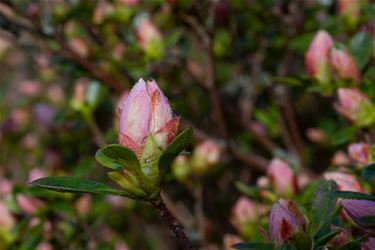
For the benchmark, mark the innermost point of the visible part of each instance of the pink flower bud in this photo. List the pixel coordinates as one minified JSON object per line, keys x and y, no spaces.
{"x":29,"y":205}
{"x":345,"y":182}
{"x":356,"y":209}
{"x":317,"y":56}
{"x":146,"y":112}
{"x":206,"y":155}
{"x":282,"y":178}
{"x":352,"y":104}
{"x":340,"y":158}
{"x":121,"y":101}
{"x":244,"y":211}
{"x":285,"y":220}
{"x":147,"y":33}
{"x":369,"y":244}
{"x":6,"y":219}
{"x":350,"y":10}
{"x":360,"y":153}
{"x":344,"y":65}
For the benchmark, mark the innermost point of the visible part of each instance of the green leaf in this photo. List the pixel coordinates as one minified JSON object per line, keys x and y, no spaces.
{"x":323,"y":205}
{"x":117,"y":157}
{"x":326,"y":238}
{"x":129,"y":183}
{"x":253,"y":246}
{"x":360,"y":47}
{"x":353,"y":195}
{"x":368,"y":174}
{"x":67,"y":184}
{"x":302,"y":241}
{"x":174,"y":149}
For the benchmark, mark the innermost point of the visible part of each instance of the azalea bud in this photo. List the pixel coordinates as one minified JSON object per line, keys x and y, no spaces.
{"x":350,"y":11}
{"x":344,"y":181}
{"x":317,"y":56}
{"x":360,"y":153}
{"x":206,"y":155}
{"x":146,"y":112}
{"x":181,"y":168}
{"x":29,"y":205}
{"x":150,"y":38}
{"x":344,"y":65}
{"x":6,"y":219}
{"x":369,"y":244}
{"x":243,"y":212}
{"x":355,"y":106}
{"x":356,"y":209}
{"x":282,"y":178}
{"x":285,"y":220}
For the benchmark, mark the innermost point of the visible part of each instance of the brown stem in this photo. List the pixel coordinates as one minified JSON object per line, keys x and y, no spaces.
{"x":173,"y":224}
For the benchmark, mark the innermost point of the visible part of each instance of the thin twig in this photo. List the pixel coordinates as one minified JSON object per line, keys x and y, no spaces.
{"x":173,"y":224}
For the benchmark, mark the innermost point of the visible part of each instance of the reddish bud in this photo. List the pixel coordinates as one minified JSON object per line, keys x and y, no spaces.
{"x":344,"y":181}
{"x":317,"y":56}
{"x":282,"y":178}
{"x":360,"y":153}
{"x":243,"y":212}
{"x":145,"y":112}
{"x":354,"y":105}
{"x":344,"y":65}
{"x":285,"y":220}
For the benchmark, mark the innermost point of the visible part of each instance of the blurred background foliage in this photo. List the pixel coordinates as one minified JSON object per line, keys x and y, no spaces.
{"x":233,"y":70}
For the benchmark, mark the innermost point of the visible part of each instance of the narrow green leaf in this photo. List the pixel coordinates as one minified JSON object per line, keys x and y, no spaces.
{"x":174,"y":149}
{"x":323,"y":205}
{"x":67,"y":184}
{"x":353,"y":195}
{"x":129,"y":183}
{"x":253,"y":246}
{"x":368,"y":174}
{"x":360,"y":47}
{"x":117,"y":157}
{"x":326,"y":238}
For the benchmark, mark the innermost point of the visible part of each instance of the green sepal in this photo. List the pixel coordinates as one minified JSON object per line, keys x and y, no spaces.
{"x":117,"y":157}
{"x":130,"y":185}
{"x":66,"y":184}
{"x":174,"y":149}
{"x":149,"y":164}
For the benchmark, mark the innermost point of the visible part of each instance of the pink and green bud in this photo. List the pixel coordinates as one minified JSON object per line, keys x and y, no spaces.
{"x":150,"y":38}
{"x":355,"y":106}
{"x":146,"y":112}
{"x":344,"y":65}
{"x":285,"y":221}
{"x":350,"y":11}
{"x":282,"y":178}
{"x":317,"y":56}
{"x":358,"y":209}
{"x":245,"y":211}
{"x":206,"y":155}
{"x":344,"y":181}
{"x":360,"y":153}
